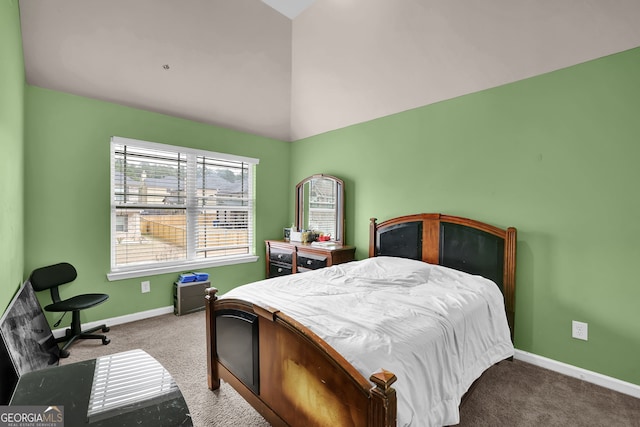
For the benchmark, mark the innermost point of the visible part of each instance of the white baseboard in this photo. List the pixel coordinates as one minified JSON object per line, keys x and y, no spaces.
{"x":121,"y":319}
{"x":582,"y":374}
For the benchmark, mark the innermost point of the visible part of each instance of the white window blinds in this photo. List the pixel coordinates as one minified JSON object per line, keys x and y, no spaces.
{"x":174,"y":205}
{"x":323,"y":200}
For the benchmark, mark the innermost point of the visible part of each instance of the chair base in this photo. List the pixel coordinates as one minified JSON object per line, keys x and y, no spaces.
{"x":75,"y":332}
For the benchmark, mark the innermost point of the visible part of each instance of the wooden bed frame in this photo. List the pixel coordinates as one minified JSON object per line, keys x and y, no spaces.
{"x":292,"y":377}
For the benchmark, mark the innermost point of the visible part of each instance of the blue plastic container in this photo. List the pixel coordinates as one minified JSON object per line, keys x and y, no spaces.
{"x":201,"y":277}
{"x":187,"y":277}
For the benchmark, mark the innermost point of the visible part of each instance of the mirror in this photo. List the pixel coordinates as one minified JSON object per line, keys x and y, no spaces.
{"x":320,"y":206}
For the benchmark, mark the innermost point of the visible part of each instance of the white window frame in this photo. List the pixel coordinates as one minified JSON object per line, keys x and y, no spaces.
{"x":191,"y":263}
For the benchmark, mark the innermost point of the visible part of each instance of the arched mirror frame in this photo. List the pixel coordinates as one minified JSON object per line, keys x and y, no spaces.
{"x":339,"y":214}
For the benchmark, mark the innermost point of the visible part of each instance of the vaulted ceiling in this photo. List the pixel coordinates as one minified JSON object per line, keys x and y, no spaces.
{"x":243,"y":65}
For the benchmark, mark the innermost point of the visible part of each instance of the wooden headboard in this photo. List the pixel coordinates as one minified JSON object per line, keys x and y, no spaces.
{"x":461,"y":243}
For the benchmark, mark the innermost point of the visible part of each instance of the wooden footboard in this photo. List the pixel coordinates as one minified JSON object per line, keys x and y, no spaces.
{"x":289,"y":374}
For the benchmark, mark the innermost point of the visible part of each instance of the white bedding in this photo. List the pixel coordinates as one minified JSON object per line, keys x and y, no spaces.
{"x":437,"y":329}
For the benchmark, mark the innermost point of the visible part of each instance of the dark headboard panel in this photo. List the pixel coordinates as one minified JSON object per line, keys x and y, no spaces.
{"x":461,"y":243}
{"x":402,"y":240}
{"x":472,"y":251}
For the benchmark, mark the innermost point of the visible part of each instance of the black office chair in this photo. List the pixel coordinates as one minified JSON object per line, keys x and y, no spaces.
{"x":51,"y":277}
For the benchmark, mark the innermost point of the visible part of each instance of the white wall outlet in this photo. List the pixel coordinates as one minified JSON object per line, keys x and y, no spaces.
{"x":145,"y":286}
{"x":579,"y":330}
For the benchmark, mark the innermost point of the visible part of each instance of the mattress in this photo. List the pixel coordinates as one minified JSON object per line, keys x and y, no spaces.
{"x":437,"y":329}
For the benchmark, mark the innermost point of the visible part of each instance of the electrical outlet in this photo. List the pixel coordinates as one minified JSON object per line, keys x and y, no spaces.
{"x":579,"y":330}
{"x":145,"y":286}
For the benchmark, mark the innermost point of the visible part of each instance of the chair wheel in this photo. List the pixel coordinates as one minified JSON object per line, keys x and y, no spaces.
{"x":105,"y":341}
{"x":105,"y":329}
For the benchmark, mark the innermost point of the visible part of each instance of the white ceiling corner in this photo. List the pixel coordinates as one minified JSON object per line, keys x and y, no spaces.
{"x":289,"y":8}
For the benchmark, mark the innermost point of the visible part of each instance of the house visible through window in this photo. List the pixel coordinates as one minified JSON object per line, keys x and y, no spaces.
{"x":323,"y":197}
{"x":173,"y":208}
{"x":122,"y":222}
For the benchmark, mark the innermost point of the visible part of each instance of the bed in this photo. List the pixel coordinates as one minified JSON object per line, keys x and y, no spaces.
{"x":315,"y":368}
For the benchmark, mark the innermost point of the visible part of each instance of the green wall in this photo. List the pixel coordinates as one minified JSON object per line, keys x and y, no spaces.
{"x":11,"y":152}
{"x":557,"y":157}
{"x":67,"y":209}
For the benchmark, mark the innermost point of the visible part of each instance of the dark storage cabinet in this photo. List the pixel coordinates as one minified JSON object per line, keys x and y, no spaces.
{"x":189,"y":297}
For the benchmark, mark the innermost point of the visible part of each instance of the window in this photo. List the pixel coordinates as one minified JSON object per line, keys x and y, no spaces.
{"x":121,"y":222}
{"x":323,"y":196}
{"x":175,"y":208}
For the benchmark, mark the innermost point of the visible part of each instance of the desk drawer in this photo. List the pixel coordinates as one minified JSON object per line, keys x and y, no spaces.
{"x":311,"y":262}
{"x":276,"y":270}
{"x":281,"y":256}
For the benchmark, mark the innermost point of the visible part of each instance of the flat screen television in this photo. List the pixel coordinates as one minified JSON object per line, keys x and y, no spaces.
{"x":27,"y":343}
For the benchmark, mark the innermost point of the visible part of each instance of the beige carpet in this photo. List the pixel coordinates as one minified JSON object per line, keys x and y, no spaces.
{"x":509,"y":394}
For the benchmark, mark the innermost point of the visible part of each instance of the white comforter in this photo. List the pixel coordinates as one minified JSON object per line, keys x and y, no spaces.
{"x":437,"y":329}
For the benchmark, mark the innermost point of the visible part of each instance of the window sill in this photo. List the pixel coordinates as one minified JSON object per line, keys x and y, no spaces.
{"x":184,"y":267}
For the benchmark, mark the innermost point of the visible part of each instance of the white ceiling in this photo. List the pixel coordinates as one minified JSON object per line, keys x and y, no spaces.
{"x":357,"y":60}
{"x":221,"y":62}
{"x":289,"y":8}
{"x":315,"y":66}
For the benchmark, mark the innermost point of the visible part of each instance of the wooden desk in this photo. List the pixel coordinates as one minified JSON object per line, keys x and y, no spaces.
{"x":295,"y":257}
